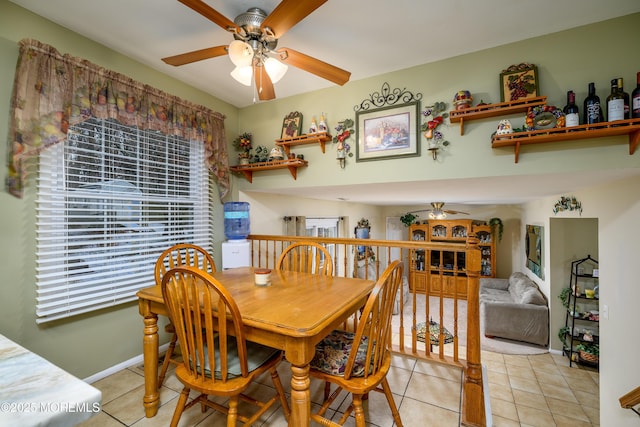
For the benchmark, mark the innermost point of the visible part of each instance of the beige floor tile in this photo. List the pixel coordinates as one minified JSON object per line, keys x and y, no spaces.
{"x":564,"y":421}
{"x":512,"y":359}
{"x":504,"y":409}
{"x":117,"y":384}
{"x":556,"y":392}
{"x":525,"y":372}
{"x":415,"y":413}
{"x":491,"y":356}
{"x":504,"y":422}
{"x":587,"y":398}
{"x":533,"y":400}
{"x":583,"y":384}
{"x":502,"y":392}
{"x":376,"y":410}
{"x":498,"y":378}
{"x":404,"y":362}
{"x":525,"y":384}
{"x":540,"y":390}
{"x":435,"y":391}
{"x":398,"y":379}
{"x":495,"y":366}
{"x":128,"y":409}
{"x":551,"y":378}
{"x":535,"y":417}
{"x":439,"y":370}
{"x":567,"y":409}
{"x":593,"y":414}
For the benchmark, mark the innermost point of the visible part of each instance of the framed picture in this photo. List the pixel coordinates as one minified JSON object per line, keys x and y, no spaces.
{"x":388,"y":132}
{"x":292,"y":125}
{"x":533,"y":249}
{"x":519,"y":82}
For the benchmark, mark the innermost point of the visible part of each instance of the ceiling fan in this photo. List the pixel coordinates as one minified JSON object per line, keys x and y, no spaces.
{"x":437,"y":212}
{"x":254,"y":52}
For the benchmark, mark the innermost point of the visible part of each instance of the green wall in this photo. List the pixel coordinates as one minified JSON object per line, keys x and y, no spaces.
{"x":567,"y":60}
{"x":87,"y":344}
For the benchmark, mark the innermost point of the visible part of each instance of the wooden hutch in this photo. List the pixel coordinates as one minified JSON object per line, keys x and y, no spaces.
{"x":425,"y":266}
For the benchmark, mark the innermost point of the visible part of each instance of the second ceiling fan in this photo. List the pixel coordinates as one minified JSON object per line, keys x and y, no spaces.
{"x":437,"y":212}
{"x":253,"y":49}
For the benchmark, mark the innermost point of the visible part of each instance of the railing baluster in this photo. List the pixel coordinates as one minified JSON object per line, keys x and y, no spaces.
{"x":267,"y":248}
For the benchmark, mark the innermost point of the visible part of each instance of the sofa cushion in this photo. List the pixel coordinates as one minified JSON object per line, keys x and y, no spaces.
{"x":494,"y":295}
{"x":532,"y":296}
{"x":518,"y":284}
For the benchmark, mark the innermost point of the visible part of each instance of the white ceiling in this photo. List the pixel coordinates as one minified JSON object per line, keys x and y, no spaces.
{"x":365,"y":37}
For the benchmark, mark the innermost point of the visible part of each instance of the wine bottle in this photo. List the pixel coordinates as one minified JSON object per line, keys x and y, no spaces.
{"x":625,"y":97}
{"x":615,"y":103}
{"x":571,"y":112}
{"x":592,"y":110}
{"x":635,"y":99}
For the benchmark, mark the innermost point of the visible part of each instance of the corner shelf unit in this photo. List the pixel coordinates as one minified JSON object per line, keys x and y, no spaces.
{"x":629,"y":127}
{"x":291,"y":164}
{"x":493,"y":110}
{"x":309,"y":138}
{"x":578,"y":318}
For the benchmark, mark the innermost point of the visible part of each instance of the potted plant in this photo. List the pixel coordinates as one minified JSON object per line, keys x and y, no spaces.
{"x":408,"y":219}
{"x":589,"y":352}
{"x":564,"y":296}
{"x":496,"y":223}
{"x":243,"y":144}
{"x":562,"y":333}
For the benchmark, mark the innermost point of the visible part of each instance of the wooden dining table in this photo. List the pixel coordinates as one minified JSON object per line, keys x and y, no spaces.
{"x":292,"y":314}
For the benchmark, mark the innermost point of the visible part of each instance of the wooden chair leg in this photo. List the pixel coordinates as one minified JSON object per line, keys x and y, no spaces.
{"x":167,"y":359}
{"x":180,"y":407}
{"x":232,"y":415}
{"x":283,"y":398}
{"x":392,"y":403}
{"x":358,"y":410}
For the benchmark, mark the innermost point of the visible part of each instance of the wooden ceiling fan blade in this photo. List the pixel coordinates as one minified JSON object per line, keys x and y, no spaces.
{"x":454,"y":212}
{"x":211,"y":14}
{"x":314,"y":66}
{"x":264,"y":86}
{"x":288,"y":13}
{"x":196,"y":55}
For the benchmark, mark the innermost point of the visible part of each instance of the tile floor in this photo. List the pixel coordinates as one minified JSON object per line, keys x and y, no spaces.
{"x":539,"y":390}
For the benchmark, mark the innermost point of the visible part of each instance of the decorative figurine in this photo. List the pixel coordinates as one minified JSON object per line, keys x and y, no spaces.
{"x":314,"y":126}
{"x":322,"y":126}
{"x":504,"y":127}
{"x":462,"y":99}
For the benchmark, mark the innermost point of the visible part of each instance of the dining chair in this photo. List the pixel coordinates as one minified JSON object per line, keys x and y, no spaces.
{"x":178,"y":255}
{"x":358,"y":362}
{"x":306,"y":257}
{"x":217,"y":360}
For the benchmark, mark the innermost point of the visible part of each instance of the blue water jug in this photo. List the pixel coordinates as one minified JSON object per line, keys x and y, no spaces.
{"x":236,"y":220}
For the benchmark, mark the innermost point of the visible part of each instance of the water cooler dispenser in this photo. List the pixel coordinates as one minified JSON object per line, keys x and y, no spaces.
{"x":236,"y":251}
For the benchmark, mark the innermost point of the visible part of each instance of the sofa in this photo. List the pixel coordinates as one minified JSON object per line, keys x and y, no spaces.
{"x":514,"y":309}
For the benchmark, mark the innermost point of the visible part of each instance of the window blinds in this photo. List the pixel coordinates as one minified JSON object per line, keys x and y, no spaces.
{"x":111,"y":198}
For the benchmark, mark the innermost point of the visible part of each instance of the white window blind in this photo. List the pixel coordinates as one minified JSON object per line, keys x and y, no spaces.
{"x":110,"y":199}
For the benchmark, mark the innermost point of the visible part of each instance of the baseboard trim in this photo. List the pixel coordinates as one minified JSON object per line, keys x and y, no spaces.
{"x":136,"y":360}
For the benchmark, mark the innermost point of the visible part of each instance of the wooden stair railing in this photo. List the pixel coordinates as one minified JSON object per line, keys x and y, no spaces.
{"x":631,"y":400}
{"x":265,"y":250}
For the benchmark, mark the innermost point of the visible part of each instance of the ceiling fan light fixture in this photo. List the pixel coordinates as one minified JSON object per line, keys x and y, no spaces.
{"x":243,"y":75}
{"x":240,"y":53}
{"x":437,"y":214}
{"x":275,"y":69}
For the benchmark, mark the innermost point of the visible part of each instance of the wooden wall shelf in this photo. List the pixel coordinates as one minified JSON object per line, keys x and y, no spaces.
{"x":309,"y":138}
{"x":629,"y":127}
{"x":493,"y":110}
{"x":291,"y":164}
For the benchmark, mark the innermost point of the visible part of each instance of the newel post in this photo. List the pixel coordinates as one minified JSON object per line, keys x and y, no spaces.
{"x":473,"y":412}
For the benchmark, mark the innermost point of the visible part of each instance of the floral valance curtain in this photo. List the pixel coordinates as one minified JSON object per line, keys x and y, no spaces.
{"x":53,"y":91}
